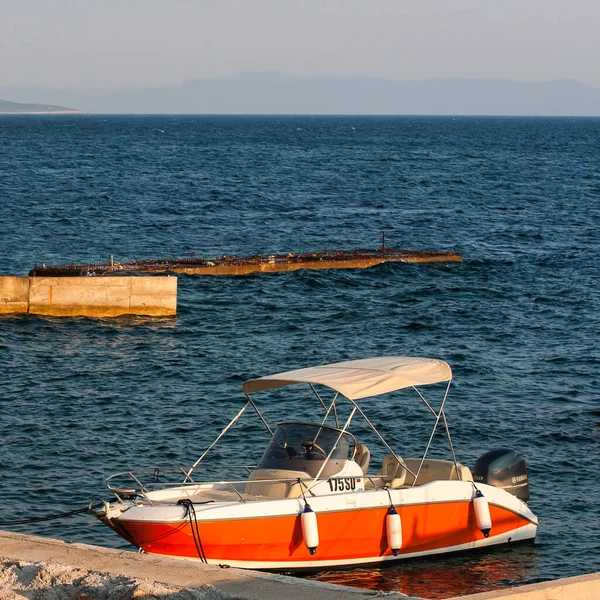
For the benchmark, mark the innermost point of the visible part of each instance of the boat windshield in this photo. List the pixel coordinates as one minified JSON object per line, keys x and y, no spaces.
{"x":300,"y":442}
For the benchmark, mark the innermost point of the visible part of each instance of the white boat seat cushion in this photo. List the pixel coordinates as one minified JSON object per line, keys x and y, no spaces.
{"x":259,"y":485}
{"x":362,"y":456}
{"x":395,"y":475}
{"x":435,"y":470}
{"x":392,"y":472}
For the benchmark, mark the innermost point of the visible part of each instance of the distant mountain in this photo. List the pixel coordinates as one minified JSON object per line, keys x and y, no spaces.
{"x":44,"y":95}
{"x":272,"y":92}
{"x":7,"y":107}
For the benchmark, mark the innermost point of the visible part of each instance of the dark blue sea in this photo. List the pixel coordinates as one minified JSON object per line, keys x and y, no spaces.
{"x":518,"y":320}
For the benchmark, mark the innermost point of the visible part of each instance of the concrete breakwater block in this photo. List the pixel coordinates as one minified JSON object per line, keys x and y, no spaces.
{"x":14,"y":294}
{"x":89,"y":296}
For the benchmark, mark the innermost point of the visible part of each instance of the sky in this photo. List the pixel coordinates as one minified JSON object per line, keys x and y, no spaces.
{"x":102,"y":46}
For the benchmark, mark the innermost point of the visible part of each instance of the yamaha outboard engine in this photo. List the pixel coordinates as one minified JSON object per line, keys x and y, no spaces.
{"x":503,"y":468}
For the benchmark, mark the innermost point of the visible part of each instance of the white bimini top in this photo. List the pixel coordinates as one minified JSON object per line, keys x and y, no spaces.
{"x":357,"y":379}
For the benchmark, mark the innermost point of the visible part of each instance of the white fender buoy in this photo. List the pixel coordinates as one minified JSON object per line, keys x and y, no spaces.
{"x":393,"y":527}
{"x":310,"y":529}
{"x":482,"y":513}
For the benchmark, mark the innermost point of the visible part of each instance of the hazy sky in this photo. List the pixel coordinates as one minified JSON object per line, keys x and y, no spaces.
{"x":107,"y":45}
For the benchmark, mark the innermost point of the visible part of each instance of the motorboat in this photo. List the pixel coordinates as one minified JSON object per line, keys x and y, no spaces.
{"x":312,"y":501}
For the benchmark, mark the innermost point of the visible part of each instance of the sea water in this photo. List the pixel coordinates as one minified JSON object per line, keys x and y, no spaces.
{"x":518,"y":320}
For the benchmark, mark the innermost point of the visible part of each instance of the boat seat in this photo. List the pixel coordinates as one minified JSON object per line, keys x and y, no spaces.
{"x":392,"y":473}
{"x":263,"y":482}
{"x":435,"y":470}
{"x":362,"y":456}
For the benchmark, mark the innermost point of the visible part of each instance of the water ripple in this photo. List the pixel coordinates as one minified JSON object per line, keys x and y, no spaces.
{"x":518,"y":320}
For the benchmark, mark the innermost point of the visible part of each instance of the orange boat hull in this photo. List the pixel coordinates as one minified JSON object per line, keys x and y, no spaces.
{"x":346,"y":537}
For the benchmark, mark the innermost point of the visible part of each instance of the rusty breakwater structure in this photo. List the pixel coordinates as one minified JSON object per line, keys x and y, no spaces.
{"x":245,"y":265}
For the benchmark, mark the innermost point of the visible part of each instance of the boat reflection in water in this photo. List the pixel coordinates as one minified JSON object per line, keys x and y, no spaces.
{"x":445,"y":578}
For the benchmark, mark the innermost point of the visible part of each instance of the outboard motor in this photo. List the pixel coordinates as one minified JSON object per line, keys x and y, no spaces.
{"x":503,"y":468}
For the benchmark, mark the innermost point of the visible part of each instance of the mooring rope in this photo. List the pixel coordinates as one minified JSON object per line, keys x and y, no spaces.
{"x":190,"y":512}
{"x":51,"y":517}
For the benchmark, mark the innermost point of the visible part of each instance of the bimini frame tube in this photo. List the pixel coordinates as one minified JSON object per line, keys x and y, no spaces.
{"x":398,"y":459}
{"x":437,"y":420}
{"x":445,"y":426}
{"x":328,"y":410}
{"x":312,"y":387}
{"x":259,"y":414}
{"x":231,"y":424}
{"x":458,"y":475}
{"x":332,"y":449}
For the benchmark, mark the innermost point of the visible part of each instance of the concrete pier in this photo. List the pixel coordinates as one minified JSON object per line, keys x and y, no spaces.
{"x":89,"y":296}
{"x":91,"y":572}
{"x":583,"y":587}
{"x":204,"y":581}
